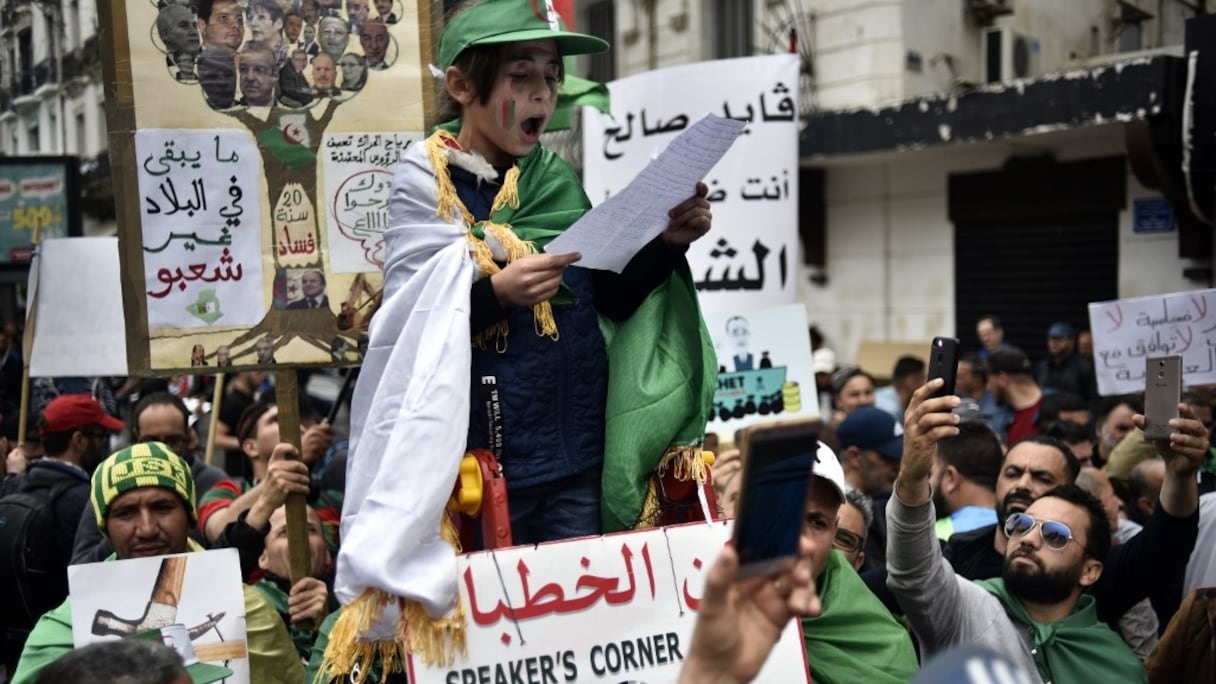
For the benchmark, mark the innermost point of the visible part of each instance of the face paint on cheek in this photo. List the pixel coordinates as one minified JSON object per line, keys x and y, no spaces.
{"x":507,"y":117}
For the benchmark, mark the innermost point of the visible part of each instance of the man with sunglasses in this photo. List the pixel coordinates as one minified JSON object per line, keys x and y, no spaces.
{"x":854,"y":638}
{"x":1052,"y":543}
{"x":157,"y":417}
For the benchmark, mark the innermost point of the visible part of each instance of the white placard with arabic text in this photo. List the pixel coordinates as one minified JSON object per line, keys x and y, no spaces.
{"x":1127,"y":331}
{"x":604,"y":609}
{"x":358,"y":171}
{"x":121,"y":598}
{"x":751,"y":256}
{"x":202,"y":227}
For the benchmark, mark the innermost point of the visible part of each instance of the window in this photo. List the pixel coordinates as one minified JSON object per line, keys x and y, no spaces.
{"x":53,"y":132}
{"x":601,"y":22}
{"x":73,"y":25}
{"x":82,"y":144}
{"x":35,"y":138}
{"x":733,"y":24}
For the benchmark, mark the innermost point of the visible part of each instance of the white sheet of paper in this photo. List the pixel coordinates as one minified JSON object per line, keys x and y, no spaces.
{"x":609,"y":235}
{"x":79,"y":327}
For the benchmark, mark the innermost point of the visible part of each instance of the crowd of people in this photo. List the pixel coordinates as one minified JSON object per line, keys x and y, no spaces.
{"x":1024,"y":514}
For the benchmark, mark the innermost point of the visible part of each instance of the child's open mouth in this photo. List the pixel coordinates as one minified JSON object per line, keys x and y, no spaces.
{"x":532,"y":126}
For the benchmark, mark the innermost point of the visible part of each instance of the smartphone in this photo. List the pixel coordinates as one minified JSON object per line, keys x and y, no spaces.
{"x":943,"y":363}
{"x":1162,"y":392}
{"x":777,"y":463}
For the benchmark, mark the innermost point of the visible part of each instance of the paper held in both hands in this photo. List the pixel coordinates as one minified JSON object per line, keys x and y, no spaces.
{"x":609,"y":235}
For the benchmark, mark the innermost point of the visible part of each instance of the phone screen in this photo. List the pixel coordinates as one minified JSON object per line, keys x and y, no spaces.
{"x":772,"y":503}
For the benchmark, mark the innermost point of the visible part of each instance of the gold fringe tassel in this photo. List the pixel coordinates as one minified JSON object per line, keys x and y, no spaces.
{"x":688,"y":464}
{"x":347,"y":654}
{"x":436,"y":640}
{"x":508,"y":196}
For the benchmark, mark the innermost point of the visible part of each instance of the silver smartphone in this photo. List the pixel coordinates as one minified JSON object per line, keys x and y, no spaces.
{"x":777,"y":462}
{"x":1162,"y":392}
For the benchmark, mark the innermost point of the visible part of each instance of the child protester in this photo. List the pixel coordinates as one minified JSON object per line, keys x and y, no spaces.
{"x":602,"y":378}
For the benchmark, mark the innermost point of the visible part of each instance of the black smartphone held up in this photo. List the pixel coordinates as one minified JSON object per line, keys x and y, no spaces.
{"x":943,"y":363}
{"x":1162,"y":392}
{"x":777,"y":462}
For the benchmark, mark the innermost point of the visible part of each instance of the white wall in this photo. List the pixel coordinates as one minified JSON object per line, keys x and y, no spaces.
{"x":890,"y":258}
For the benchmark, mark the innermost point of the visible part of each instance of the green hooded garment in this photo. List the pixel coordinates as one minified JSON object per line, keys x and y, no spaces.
{"x":855,"y":639}
{"x":1077,"y":648}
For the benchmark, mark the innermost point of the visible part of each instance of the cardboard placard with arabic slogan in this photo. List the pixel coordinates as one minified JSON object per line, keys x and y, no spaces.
{"x":529,"y":608}
{"x":253,"y":151}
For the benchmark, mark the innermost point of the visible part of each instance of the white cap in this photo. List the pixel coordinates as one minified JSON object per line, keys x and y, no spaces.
{"x":827,"y":467}
{"x":823,"y":360}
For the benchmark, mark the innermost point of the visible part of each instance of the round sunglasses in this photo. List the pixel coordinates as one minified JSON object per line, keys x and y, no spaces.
{"x":1056,"y":534}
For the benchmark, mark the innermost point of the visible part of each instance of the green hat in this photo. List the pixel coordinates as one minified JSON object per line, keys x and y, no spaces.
{"x":149,"y":464}
{"x":177,"y":638}
{"x":493,"y":22}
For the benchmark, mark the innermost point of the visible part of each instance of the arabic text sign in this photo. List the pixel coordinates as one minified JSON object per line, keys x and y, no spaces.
{"x":33,"y":195}
{"x":358,"y":177}
{"x":639,"y":591}
{"x":109,"y":601}
{"x":751,"y":257}
{"x":79,"y":327}
{"x":1127,"y":331}
{"x":202,"y":229}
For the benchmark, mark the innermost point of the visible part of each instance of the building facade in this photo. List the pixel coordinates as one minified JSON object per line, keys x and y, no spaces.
{"x":963,"y":157}
{"x":51,"y":100}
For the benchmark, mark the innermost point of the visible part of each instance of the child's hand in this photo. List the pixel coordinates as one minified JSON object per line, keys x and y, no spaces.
{"x":531,"y":279}
{"x":690,"y":219}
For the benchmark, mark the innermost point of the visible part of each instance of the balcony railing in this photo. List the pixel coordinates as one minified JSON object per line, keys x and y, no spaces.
{"x":30,"y":80}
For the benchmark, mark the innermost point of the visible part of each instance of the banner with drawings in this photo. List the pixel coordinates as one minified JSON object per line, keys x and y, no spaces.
{"x":751,"y":257}
{"x":528,"y":610}
{"x":254,"y":171}
{"x":1127,"y":331}
{"x":765,"y":371}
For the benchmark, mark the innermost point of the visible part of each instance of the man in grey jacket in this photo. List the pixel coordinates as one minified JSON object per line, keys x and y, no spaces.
{"x":1036,"y":613}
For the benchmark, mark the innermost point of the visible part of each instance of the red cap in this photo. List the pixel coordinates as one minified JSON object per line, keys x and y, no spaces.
{"x":69,"y":412}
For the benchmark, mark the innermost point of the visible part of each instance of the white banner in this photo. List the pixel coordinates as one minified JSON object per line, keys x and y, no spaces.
{"x":199,"y":205}
{"x":751,"y":257}
{"x":79,"y":327}
{"x":1127,"y":331}
{"x":603,"y":609}
{"x":358,"y":171}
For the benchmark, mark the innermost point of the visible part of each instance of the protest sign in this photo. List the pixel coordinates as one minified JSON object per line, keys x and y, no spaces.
{"x":751,"y":257}
{"x":765,"y":371}
{"x":253,"y":199}
{"x":201,"y":592}
{"x":604,"y":609}
{"x":79,"y":329}
{"x":1126,"y":331}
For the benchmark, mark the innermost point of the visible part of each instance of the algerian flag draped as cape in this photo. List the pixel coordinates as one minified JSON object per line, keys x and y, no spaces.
{"x":409,"y":413}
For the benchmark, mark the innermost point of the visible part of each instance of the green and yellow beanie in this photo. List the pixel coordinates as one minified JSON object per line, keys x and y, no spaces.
{"x":150,"y":464}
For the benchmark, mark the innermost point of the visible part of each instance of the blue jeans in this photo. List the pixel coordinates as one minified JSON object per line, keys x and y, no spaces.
{"x":567,"y":508}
